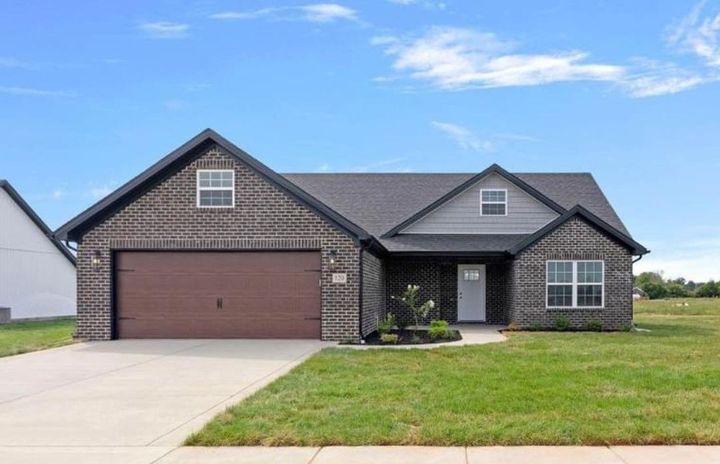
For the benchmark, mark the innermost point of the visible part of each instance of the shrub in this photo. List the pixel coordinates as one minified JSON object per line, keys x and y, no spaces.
{"x":409,"y":298}
{"x":389,"y":339}
{"x":655,"y":290}
{"x":536,"y":326}
{"x":626,"y":327}
{"x":675,"y":290}
{"x":708,"y":290}
{"x":401,"y":323}
{"x":440,"y":329}
{"x":562,"y":323}
{"x":386,"y":324}
{"x":594,"y":325}
{"x":415,"y":339}
{"x":513,"y":327}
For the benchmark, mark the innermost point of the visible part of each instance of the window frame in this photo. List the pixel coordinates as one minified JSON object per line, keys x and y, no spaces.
{"x":483,"y":202}
{"x":199,"y":189}
{"x":574,"y":284}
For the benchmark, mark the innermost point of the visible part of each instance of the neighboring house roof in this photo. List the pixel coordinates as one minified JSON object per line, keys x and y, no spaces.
{"x":15,"y":196}
{"x":74,"y":228}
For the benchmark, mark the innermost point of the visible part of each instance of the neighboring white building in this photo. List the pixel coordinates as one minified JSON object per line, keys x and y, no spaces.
{"x":37,"y":272}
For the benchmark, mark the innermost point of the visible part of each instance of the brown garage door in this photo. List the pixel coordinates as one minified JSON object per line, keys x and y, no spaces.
{"x":217,"y":294}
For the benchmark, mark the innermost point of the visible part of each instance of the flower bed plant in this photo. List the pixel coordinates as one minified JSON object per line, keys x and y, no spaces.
{"x":392,"y":332}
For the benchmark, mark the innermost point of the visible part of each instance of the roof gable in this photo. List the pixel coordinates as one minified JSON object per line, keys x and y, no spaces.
{"x":39,"y":223}
{"x":461,"y":214}
{"x":493,"y":169}
{"x":169,"y":164}
{"x":579,"y":211}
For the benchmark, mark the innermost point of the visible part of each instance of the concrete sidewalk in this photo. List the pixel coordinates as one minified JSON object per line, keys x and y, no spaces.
{"x":366,"y":455}
{"x":451,"y":455}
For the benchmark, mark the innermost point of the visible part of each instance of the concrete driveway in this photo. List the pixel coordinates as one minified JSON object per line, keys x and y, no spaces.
{"x":132,"y":393}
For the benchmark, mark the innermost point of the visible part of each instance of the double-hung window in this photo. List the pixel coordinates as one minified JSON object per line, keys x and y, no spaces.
{"x":575,"y":284}
{"x":215,"y":188}
{"x":493,"y":202}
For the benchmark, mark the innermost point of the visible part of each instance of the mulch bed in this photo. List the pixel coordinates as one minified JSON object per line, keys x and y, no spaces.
{"x":406,"y":338}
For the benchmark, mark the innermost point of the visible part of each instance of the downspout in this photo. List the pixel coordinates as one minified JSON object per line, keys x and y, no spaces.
{"x":363,"y":246}
{"x":638,"y":259}
{"x":67,"y":244}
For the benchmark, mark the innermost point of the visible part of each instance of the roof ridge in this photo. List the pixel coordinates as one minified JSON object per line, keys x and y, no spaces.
{"x":547,"y":173}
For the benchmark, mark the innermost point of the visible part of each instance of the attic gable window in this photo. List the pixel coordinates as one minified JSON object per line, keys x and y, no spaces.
{"x":493,"y":202}
{"x":215,"y":188}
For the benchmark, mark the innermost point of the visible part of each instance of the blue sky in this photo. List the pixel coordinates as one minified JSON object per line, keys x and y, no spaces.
{"x":91,"y":93}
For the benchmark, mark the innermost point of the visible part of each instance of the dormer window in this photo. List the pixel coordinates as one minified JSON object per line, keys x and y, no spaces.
{"x":493,"y":202}
{"x":215,"y":188}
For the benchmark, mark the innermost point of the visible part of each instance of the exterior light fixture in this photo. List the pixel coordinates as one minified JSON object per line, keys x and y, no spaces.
{"x":332,"y":263}
{"x":95,"y":260}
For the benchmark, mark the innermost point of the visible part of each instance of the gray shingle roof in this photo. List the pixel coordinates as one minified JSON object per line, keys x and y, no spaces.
{"x":378,"y":202}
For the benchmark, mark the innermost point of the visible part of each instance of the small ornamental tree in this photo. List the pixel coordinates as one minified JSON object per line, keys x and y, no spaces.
{"x":409,"y":298}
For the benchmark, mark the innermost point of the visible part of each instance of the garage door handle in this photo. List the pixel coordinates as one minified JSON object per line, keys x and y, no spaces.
{"x":219,"y":303}
{"x":312,"y":318}
{"x":125,"y":318}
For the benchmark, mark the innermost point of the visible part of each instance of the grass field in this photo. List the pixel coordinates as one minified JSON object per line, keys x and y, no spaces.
{"x":656,"y":387}
{"x":22,"y":337}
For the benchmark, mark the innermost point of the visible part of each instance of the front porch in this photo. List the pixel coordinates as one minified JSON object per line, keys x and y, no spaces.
{"x":440,"y":278}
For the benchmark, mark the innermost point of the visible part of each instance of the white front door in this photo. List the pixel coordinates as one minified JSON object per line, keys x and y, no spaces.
{"x":471,"y":293}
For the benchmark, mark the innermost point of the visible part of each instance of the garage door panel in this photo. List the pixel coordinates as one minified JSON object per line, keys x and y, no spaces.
{"x":176,"y":294}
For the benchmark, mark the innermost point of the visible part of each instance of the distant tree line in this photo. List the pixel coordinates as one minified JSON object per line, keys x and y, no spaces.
{"x":656,"y":286}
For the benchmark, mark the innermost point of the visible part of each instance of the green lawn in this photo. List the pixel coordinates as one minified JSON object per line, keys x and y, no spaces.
{"x":21,"y":337}
{"x":655,"y":387}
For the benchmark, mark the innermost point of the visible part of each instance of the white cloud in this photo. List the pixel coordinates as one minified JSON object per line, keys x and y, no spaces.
{"x":239,"y":15}
{"x":451,"y":58}
{"x":328,"y":12}
{"x":9,"y":62}
{"x":325,"y":167}
{"x":698,"y":34}
{"x":58,"y":193}
{"x":32,"y":92}
{"x":165,"y":30}
{"x":380,"y":164}
{"x":423,"y":3}
{"x":648,"y":78}
{"x":314,"y":12}
{"x":464,"y":137}
{"x":101,"y":191}
{"x":455,"y":58}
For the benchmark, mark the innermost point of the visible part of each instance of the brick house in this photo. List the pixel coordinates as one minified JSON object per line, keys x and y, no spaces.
{"x":210,"y":243}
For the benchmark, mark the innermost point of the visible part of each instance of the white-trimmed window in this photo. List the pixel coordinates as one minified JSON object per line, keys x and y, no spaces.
{"x":215,"y":188}
{"x":575,"y":284}
{"x":493,"y":202}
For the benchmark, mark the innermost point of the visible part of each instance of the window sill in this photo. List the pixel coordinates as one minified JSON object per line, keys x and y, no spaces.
{"x":581,"y":308}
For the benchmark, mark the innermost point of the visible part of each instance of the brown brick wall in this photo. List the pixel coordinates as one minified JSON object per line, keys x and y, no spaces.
{"x":373,"y":292}
{"x":574,"y":240}
{"x":264,"y":217}
{"x":437,"y":278}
